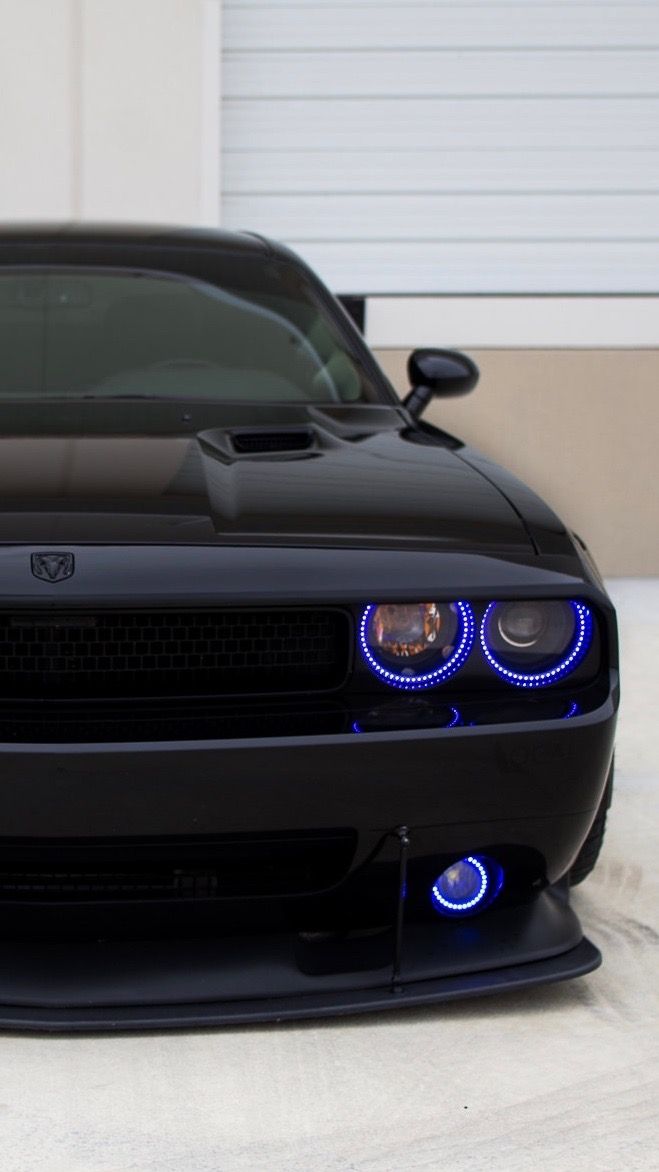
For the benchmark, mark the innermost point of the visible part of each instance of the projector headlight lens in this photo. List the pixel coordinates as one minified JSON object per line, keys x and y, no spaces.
{"x":534,"y":644}
{"x":522,"y":624}
{"x":468,"y":885}
{"x":416,"y":645}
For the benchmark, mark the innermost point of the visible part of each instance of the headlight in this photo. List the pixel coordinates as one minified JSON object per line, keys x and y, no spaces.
{"x":416,"y":645}
{"x":534,"y":644}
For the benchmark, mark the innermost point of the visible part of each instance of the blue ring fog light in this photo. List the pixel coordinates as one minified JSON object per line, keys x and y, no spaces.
{"x":563,"y":663}
{"x":407,"y":677}
{"x":467,"y":886}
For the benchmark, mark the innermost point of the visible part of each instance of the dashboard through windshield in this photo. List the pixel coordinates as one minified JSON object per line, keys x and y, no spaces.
{"x":86,"y":333}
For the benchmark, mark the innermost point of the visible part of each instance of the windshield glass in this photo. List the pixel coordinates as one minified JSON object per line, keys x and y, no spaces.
{"x":90,"y":333}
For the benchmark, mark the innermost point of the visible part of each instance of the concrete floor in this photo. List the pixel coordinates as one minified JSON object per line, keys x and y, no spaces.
{"x":559,"y":1078}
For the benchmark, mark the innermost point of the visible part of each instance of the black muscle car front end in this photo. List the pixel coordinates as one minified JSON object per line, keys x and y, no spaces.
{"x":305,"y":706}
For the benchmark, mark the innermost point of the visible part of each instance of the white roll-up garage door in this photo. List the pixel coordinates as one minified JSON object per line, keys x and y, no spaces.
{"x":447,"y":148}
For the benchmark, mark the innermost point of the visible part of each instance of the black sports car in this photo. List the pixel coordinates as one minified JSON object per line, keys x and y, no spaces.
{"x":306,"y":706}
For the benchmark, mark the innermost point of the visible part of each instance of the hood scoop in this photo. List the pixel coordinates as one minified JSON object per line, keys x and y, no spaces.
{"x":248,"y":443}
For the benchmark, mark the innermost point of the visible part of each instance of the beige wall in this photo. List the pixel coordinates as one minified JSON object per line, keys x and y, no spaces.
{"x":581,"y":427}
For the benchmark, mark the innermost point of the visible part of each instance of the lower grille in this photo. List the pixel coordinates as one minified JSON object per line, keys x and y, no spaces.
{"x":31,"y":722}
{"x":258,"y":866}
{"x":172,"y":653}
{"x":83,"y":885}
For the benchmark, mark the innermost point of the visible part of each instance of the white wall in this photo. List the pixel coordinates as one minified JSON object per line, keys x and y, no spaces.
{"x":461,"y":147}
{"x":38,"y":149}
{"x":505,"y":323}
{"x":109,"y":109}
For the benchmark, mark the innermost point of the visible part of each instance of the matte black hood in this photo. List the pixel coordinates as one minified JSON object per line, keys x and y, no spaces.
{"x":159,"y":473}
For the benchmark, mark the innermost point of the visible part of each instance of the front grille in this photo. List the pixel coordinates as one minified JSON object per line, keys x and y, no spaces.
{"x":234,"y":868}
{"x":44,"y":886}
{"x":164,"y":720}
{"x":172,"y":653}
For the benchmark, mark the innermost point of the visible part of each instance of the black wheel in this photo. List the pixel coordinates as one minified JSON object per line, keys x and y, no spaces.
{"x":589,"y":853}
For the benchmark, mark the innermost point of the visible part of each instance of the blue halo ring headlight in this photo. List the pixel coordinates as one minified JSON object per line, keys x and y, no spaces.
{"x":468,"y":885}
{"x":555,"y":666}
{"x":434,"y":666}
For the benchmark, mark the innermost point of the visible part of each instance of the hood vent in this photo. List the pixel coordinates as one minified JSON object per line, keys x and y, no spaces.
{"x":248,"y":443}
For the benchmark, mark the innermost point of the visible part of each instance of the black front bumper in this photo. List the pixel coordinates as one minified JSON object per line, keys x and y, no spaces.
{"x":523,"y":795}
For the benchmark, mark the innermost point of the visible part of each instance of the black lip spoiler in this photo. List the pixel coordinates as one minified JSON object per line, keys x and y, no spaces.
{"x":582,"y":959}
{"x":179,"y":984}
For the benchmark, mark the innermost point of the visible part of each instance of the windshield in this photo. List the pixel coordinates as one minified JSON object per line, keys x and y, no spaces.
{"x":89,"y":333}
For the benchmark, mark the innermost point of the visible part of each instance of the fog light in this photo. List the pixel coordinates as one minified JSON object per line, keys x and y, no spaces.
{"x":465,"y":886}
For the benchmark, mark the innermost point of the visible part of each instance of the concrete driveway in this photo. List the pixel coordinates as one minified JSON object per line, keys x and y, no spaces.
{"x":560,"y":1078}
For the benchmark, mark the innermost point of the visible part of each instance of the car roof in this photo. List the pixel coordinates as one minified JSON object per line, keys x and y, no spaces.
{"x":150,"y":235}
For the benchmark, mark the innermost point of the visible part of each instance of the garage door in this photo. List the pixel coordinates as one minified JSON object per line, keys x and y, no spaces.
{"x":447,"y":148}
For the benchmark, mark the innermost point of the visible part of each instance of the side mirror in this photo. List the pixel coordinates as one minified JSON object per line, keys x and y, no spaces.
{"x":441,"y":373}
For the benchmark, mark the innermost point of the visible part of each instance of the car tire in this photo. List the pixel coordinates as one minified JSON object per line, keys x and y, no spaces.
{"x":590,"y":851}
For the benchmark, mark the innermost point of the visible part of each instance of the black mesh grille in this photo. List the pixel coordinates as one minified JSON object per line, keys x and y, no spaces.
{"x":234,"y":868}
{"x":167,"y":653}
{"x":26,"y":721}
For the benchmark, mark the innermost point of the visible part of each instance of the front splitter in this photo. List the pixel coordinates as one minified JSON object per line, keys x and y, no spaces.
{"x":181,"y":984}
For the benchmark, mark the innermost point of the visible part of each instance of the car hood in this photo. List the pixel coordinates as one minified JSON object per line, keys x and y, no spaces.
{"x":153,"y":473}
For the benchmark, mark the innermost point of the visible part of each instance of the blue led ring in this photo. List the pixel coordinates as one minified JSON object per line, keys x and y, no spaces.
{"x":467,"y":904}
{"x":541,"y":679}
{"x":429,"y":679}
